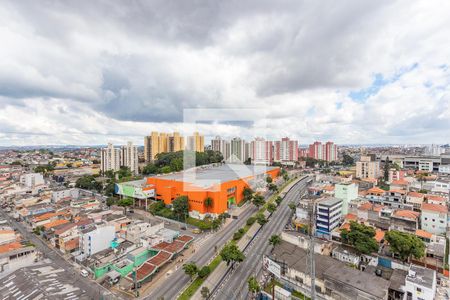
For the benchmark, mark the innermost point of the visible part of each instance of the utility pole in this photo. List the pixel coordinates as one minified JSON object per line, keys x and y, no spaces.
{"x":312,"y":266}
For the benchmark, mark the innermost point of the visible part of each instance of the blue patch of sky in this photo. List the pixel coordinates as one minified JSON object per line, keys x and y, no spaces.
{"x":378,"y":82}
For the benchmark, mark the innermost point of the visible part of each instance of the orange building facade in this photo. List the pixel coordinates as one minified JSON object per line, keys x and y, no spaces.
{"x":223,"y":195}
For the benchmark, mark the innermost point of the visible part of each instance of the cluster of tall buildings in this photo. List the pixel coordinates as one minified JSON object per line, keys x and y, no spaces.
{"x":159,"y":142}
{"x":327,"y":151}
{"x":113,"y":158}
{"x":258,"y":152}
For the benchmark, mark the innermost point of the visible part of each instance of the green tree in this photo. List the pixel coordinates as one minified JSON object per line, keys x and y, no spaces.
{"x":269,"y":179}
{"x":253,"y":285}
{"x":124,"y":172}
{"x":44,"y":168}
{"x":205,"y":292}
{"x":292,"y":206}
{"x":251,"y":221}
{"x":215,"y":224}
{"x":166,"y":169}
{"x":109,"y":174}
{"x":69,"y":165}
{"x":208,"y":203}
{"x":176,"y":164}
{"x":275,"y":240}
{"x":258,"y":200}
{"x":261,"y":219}
{"x":204,"y":272}
{"x":361,"y":237}
{"x":347,"y":160}
{"x":285,"y":177}
{"x":230,"y":253}
{"x":405,"y":244}
{"x":273,"y":187}
{"x":386,"y":170}
{"x":150,"y":169}
{"x":190,"y":269}
{"x":278,"y":200}
{"x":181,"y":207}
{"x":247,"y":193}
{"x":125,"y":202}
{"x":271,"y":207}
{"x":88,"y":182}
{"x":110,"y":201}
{"x":109,"y":188}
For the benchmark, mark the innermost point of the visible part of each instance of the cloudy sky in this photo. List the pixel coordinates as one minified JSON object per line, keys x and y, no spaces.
{"x":89,"y":72}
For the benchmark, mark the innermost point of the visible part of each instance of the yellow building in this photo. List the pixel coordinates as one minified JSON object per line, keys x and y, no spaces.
{"x":157,"y":143}
{"x":196,"y":142}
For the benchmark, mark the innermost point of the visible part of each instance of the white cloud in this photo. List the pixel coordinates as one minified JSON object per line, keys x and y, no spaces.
{"x":111,"y":71}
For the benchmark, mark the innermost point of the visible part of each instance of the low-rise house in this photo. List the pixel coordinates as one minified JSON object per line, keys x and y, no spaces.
{"x":435,"y":199}
{"x":434,"y":218}
{"x":405,"y":220}
{"x":415,"y":199}
{"x":333,"y":280}
{"x":138,"y":230}
{"x":301,"y":240}
{"x":400,"y":184}
{"x":347,"y":255}
{"x":7,"y":235}
{"x":420,"y":283}
{"x":93,"y":240}
{"x":14,"y":256}
{"x":395,"y":198}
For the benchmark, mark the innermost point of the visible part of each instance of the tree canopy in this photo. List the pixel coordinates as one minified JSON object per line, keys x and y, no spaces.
{"x":405,"y":244}
{"x":167,"y":162}
{"x":253,"y":285}
{"x":347,"y":160}
{"x":190,"y":269}
{"x":181,"y":207}
{"x":258,"y":200}
{"x":230,"y":253}
{"x":275,"y":240}
{"x":88,"y":182}
{"x":361,"y":237}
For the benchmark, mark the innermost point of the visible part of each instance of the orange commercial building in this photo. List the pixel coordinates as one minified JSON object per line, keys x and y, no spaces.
{"x":224,"y":184}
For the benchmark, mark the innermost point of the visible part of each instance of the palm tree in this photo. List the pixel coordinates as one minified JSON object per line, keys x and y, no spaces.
{"x":208,"y":203}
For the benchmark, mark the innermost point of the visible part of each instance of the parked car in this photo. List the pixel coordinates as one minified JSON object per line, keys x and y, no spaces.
{"x":84,"y":273}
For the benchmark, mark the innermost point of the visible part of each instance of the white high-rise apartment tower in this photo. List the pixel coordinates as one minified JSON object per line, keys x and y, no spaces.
{"x":129,"y":157}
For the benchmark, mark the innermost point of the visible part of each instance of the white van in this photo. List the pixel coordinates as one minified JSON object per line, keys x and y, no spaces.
{"x":84,"y":273}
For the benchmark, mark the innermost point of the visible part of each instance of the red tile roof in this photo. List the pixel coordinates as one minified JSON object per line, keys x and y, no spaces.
{"x":9,"y":247}
{"x":399,"y":182}
{"x":435,"y":198}
{"x":415,"y":194}
{"x":423,"y":233}
{"x":434,"y":207}
{"x":55,"y":223}
{"x":351,"y":217}
{"x":379,"y":235}
{"x":414,"y":215}
{"x":376,"y":191}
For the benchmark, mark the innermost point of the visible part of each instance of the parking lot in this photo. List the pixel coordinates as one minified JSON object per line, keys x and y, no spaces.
{"x":43,"y":281}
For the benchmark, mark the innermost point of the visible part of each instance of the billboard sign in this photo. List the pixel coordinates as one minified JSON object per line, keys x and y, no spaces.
{"x":271,"y":266}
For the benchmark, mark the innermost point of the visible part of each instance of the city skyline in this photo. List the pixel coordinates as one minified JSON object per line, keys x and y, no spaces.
{"x":68,"y":78}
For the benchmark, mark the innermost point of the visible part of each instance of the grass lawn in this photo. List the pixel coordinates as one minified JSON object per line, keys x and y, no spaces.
{"x":201,"y":224}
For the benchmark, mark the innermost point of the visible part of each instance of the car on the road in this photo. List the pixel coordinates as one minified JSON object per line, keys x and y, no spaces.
{"x":84,"y":273}
{"x":196,"y":231}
